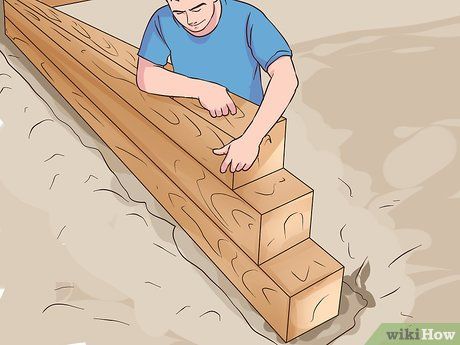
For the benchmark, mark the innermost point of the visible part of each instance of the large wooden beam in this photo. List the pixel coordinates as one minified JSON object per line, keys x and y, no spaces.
{"x":237,"y":216}
{"x":231,"y":260}
{"x":257,"y":234}
{"x":190,"y":127}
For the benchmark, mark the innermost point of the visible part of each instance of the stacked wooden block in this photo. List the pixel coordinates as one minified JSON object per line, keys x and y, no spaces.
{"x":254,"y":225}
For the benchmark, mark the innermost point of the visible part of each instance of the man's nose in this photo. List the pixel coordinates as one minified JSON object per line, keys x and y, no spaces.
{"x":191,"y":19}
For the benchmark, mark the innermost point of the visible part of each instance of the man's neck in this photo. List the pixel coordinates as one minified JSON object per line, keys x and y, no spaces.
{"x":213,"y":22}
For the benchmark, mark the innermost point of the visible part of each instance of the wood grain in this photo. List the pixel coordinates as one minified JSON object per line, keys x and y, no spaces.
{"x":235,"y":216}
{"x":257,"y":287}
{"x":190,"y":132}
{"x":286,"y":206}
{"x":298,"y":286}
{"x":312,"y":279}
{"x":230,"y":212}
{"x":115,"y":63}
{"x":125,"y":55}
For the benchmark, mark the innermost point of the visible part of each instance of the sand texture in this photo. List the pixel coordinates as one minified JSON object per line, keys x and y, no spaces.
{"x":87,"y":255}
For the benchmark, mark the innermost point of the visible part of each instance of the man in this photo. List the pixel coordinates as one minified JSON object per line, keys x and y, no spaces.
{"x":216,"y":47}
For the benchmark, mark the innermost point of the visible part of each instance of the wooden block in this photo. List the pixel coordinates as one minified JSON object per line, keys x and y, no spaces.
{"x":194,"y":131}
{"x":253,"y":283}
{"x":285,"y":205}
{"x":313,"y":281}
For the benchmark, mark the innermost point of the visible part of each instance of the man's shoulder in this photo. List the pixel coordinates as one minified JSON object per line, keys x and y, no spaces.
{"x":162,"y":13}
{"x":244,"y":7}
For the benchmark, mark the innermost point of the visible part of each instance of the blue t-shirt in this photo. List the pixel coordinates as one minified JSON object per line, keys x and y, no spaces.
{"x":231,"y":55}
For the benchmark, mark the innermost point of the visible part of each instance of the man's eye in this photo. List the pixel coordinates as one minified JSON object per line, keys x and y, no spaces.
{"x":197,"y":10}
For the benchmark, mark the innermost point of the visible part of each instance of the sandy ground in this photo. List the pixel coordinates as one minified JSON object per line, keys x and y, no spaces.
{"x":374,"y":129}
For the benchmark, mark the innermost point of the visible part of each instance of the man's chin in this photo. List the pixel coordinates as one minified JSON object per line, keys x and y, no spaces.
{"x":196,"y":29}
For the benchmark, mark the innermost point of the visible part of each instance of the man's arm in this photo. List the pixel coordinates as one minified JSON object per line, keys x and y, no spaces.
{"x":153,"y":78}
{"x":242,"y":152}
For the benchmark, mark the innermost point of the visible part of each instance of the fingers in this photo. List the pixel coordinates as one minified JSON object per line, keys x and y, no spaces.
{"x":225,"y":110}
{"x":215,"y":112}
{"x":218,"y":112}
{"x":240,"y":166}
{"x":227,"y":161}
{"x":246,"y":167}
{"x":232,"y":107}
{"x":235,"y":166}
{"x":221,"y":151}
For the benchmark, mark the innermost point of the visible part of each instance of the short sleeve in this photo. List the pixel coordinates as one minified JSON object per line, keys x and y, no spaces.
{"x":153,"y":46}
{"x":266,"y":42}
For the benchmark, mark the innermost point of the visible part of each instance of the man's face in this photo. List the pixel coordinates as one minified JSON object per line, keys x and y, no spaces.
{"x":194,"y":15}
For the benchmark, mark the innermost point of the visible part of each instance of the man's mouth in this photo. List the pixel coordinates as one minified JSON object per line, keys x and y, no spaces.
{"x":197,"y":24}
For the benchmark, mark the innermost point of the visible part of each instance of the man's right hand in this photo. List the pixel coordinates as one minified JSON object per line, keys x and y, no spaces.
{"x":153,"y":78}
{"x":216,"y":99}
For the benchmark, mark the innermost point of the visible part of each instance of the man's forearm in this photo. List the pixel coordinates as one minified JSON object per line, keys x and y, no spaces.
{"x":279,"y":94}
{"x":157,"y":80}
{"x":241,"y":153}
{"x":160,"y":81}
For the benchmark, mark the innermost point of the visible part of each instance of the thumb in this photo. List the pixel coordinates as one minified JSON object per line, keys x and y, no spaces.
{"x":222,"y":151}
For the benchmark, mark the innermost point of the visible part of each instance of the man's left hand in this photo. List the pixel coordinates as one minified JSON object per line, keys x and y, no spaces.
{"x":240,"y":154}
